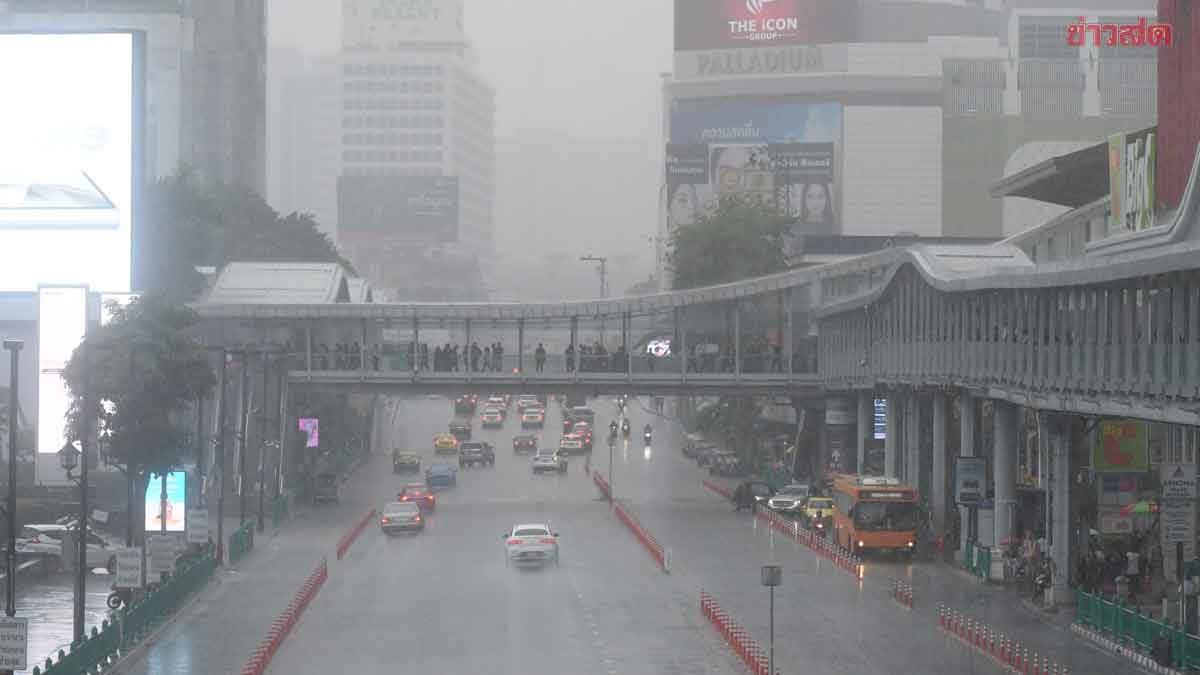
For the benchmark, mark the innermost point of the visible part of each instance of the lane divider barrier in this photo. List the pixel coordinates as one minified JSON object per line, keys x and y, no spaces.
{"x":819,"y":545}
{"x":286,"y":620}
{"x":602,"y":484}
{"x":1011,"y":654}
{"x":660,"y":554}
{"x":738,"y":638}
{"x":347,"y":539}
{"x":902,"y":592}
{"x":719,"y":489}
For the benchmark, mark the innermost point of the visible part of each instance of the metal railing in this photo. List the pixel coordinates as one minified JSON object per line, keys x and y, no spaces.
{"x":1134,"y":630}
{"x":978,"y":561}
{"x":130,"y":625}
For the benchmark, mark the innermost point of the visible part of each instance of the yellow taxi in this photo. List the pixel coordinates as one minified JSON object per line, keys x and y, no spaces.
{"x":817,"y":511}
{"x":445,"y":443}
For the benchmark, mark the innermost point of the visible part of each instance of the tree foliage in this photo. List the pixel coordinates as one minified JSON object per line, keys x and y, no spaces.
{"x":741,"y":238}
{"x":189,"y":225}
{"x":148,"y":366}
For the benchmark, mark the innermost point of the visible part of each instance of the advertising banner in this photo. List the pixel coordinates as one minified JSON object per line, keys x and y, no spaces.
{"x":14,"y":643}
{"x":66,"y":170}
{"x":163,"y":550}
{"x":312,"y":427}
{"x":1131,"y":159}
{"x":784,"y":153}
{"x":129,"y":568}
{"x":879,"y":419}
{"x":970,"y":480}
{"x":719,"y":24}
{"x":1120,"y":447}
{"x":176,"y":482}
{"x":787,"y":60}
{"x":413,"y":208}
{"x":197,"y":525}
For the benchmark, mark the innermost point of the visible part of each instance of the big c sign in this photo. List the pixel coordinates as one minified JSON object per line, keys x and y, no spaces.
{"x":721,"y":24}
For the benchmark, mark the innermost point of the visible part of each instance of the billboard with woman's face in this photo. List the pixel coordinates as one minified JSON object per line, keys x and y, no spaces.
{"x":783,"y":153}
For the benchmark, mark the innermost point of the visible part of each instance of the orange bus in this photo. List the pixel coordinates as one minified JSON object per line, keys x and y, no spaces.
{"x":874,"y":513}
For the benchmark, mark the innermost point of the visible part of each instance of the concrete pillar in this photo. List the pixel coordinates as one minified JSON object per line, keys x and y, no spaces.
{"x":966,"y":429}
{"x":1004,"y":472}
{"x":838,"y":427}
{"x":937,"y":492}
{"x":1060,"y":508}
{"x":890,"y":440}
{"x":865,"y":428}
{"x":912,"y":440}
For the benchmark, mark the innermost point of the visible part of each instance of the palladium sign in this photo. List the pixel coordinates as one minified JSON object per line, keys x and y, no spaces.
{"x":761,"y":61}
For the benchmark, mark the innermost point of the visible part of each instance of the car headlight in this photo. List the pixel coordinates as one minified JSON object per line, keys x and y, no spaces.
{"x":860,"y":543}
{"x":821,"y":525}
{"x":910,"y":544}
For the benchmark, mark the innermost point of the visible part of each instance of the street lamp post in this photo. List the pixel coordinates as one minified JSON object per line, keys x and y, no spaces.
{"x":772,"y":576}
{"x":10,"y":557}
{"x":603,"y":283}
{"x":72,"y":455}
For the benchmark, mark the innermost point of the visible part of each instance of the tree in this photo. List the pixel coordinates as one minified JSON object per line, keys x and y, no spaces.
{"x":740,"y":239}
{"x":189,"y":225}
{"x":150,"y":371}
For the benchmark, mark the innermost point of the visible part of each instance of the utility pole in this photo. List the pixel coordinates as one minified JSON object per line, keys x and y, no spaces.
{"x":603,"y":260}
{"x":10,"y":581}
{"x":221,"y":460}
{"x":244,"y":402}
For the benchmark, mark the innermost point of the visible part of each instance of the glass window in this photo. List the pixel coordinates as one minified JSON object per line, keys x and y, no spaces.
{"x":1045,"y":37}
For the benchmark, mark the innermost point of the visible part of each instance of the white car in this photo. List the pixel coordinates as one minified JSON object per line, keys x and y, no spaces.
{"x":47,"y":540}
{"x":531,"y":542}
{"x":497,"y":402}
{"x":526,"y":401}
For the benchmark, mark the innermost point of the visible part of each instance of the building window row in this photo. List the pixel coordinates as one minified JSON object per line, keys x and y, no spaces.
{"x":392,"y":156}
{"x":392,"y":139}
{"x":403,"y":69}
{"x":392,"y":86}
{"x":393,"y":171}
{"x":419,"y":103}
{"x":394,"y":122}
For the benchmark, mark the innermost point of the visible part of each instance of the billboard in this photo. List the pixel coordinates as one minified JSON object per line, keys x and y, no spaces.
{"x":1131,"y":163}
{"x":721,"y":24}
{"x":176,"y":502}
{"x":67,"y":169}
{"x":417,"y":208}
{"x":786,"y":153}
{"x":382,"y":24}
{"x":62,"y":323}
{"x":1121,"y":447}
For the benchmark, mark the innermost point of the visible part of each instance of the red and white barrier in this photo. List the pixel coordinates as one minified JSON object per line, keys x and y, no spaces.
{"x":286,"y":620}
{"x":602,"y":484}
{"x":746,"y":647}
{"x":656,"y":549}
{"x":347,"y":539}
{"x":820,"y":545}
{"x":1009,"y":653}
{"x":902,"y":592}
{"x":719,"y":489}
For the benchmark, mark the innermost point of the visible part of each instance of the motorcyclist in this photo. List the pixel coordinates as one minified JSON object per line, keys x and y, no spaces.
{"x":625,"y":429}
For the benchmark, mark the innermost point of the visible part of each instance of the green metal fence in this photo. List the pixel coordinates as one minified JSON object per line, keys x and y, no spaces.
{"x":978,"y":560}
{"x":1128,"y":626}
{"x":241,"y":542}
{"x":132,"y":624}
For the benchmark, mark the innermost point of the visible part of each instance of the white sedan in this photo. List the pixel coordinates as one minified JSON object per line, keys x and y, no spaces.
{"x":531,"y":542}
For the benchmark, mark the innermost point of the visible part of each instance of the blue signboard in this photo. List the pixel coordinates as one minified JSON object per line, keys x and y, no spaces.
{"x":176,"y":502}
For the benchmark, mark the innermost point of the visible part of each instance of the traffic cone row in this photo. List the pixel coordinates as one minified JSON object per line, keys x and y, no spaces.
{"x":656,"y":549}
{"x":820,"y":545}
{"x":284,"y":623}
{"x":902,"y":592}
{"x":348,"y":539}
{"x":1008,"y":652}
{"x":602,"y":484}
{"x":719,"y":489}
{"x":746,"y":647}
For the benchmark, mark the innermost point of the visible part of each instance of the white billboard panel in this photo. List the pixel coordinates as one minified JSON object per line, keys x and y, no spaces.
{"x":66,"y":172}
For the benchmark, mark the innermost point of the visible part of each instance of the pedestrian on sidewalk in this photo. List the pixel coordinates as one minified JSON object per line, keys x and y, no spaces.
{"x":539,"y":357}
{"x":1132,"y":571}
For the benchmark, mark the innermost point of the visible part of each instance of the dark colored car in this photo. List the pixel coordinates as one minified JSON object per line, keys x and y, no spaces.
{"x":472,"y":453}
{"x":325,"y":488}
{"x":406,"y":462}
{"x":461,"y":431}
{"x":525,"y":443}
{"x":418,"y":494}
{"x":465,"y":404}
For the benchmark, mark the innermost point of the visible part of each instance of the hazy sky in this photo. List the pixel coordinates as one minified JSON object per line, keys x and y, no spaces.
{"x":585,"y":71}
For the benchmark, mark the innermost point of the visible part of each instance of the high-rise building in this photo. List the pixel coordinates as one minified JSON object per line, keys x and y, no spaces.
{"x":304,"y":136}
{"x":226,"y":85}
{"x":418,"y":155}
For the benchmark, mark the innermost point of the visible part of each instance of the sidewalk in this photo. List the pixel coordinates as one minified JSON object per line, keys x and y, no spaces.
{"x":220,"y":629}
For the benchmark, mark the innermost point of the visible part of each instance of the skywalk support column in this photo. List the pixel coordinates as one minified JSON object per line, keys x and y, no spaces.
{"x":966,"y":430}
{"x":864,"y":429}
{"x":1060,"y":507}
{"x":912,"y":439}
{"x":937,"y":487}
{"x":890,"y":440}
{"x":1005,"y":470}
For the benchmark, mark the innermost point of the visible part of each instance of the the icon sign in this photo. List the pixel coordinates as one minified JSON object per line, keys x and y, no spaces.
{"x":310,"y":426}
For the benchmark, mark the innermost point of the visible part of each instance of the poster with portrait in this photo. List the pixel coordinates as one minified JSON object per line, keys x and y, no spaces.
{"x":783,"y":153}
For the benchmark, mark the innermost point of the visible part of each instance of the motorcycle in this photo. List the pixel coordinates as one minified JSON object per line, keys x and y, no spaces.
{"x":646,"y":437}
{"x":625,"y":429}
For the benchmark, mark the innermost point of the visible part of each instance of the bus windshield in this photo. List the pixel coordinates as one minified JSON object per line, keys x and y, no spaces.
{"x":885,"y":516}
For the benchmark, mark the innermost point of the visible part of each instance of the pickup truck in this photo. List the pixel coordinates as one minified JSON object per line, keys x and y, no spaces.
{"x":472,"y":453}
